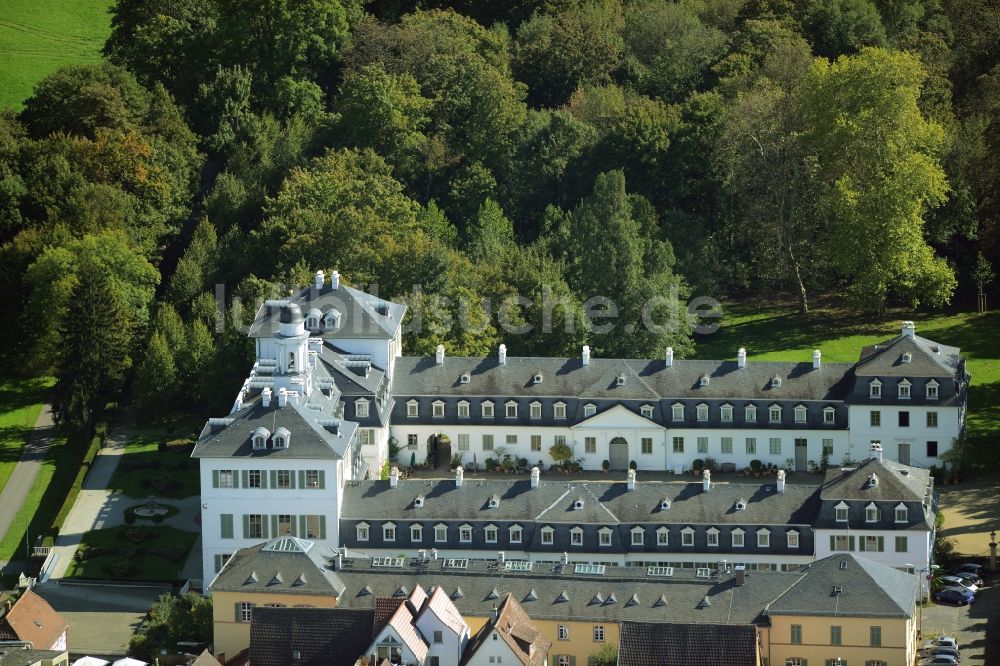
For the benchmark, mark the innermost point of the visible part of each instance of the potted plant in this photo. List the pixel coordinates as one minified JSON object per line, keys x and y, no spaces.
{"x":522,"y":463}
{"x":633,"y":466}
{"x":711,"y":465}
{"x":606,"y":466}
{"x":755,"y":466}
{"x":490,"y":464}
{"x":696,"y":466}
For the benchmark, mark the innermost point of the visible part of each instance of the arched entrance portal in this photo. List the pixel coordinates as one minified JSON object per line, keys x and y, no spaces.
{"x":438,"y":451}
{"x":618,"y":454}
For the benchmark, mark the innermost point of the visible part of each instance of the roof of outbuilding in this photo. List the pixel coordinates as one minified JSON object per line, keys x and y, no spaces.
{"x":866,"y":589}
{"x":896,"y":482}
{"x":645,"y":379}
{"x":927,"y":358}
{"x":657,"y":643}
{"x":31,"y":618}
{"x":513,"y":625}
{"x":273,"y":567}
{"x":362,"y":315}
{"x":310,"y":439}
{"x":320,"y":636}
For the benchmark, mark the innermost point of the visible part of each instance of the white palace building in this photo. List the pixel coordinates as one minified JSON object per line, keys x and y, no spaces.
{"x":331,"y":388}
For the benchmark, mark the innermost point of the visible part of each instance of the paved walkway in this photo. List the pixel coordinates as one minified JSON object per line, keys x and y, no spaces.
{"x":26,"y":471}
{"x":971,"y":511}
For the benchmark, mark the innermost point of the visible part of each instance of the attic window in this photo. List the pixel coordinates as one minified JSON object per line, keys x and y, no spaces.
{"x":932,"y":390}
{"x":465,"y":378}
{"x":620,"y":380}
{"x":312,"y":319}
{"x":589,"y":409}
{"x":703,"y":381}
{"x":664,"y":504}
{"x":331,"y":320}
{"x":494,"y":502}
{"x":906,"y":358}
{"x":904,"y":389}
{"x":646,"y":411}
{"x":559,"y":410}
{"x":260,"y":436}
{"x":361,"y":408}
{"x":578,"y":504}
{"x":419,"y":501}
{"x":281,"y":437}
{"x":741,"y":504}
{"x":875,"y":389}
{"x":412,"y":408}
{"x":775,"y":382}
{"x":538,"y":378}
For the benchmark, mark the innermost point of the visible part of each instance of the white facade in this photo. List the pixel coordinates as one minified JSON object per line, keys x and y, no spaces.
{"x":494,"y":650}
{"x":931,"y":430}
{"x":895,"y":548}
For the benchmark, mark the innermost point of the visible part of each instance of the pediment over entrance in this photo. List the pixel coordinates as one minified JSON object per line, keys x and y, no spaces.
{"x":617,"y":418}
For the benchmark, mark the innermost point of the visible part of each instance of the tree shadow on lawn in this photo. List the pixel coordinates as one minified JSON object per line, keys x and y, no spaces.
{"x":17,"y":394}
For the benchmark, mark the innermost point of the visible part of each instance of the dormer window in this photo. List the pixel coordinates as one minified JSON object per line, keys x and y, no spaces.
{"x":412,"y":408}
{"x":776,"y":382}
{"x":536,"y":410}
{"x":902,"y":515}
{"x":906,"y":357}
{"x":465,"y":378}
{"x":638,"y":536}
{"x":312,"y":319}
{"x":677,"y":411}
{"x":578,"y":503}
{"x":331,"y":320}
{"x":750,"y":412}
{"x":388,"y":531}
{"x":792,"y":538}
{"x":726,"y":413}
{"x":875,"y":389}
{"x":741,"y":504}
{"x":510,"y":408}
{"x":840,"y":512}
{"x":904,"y":390}
{"x":463,"y":409}
{"x":260,"y":437}
{"x":494,"y":502}
{"x":646,"y":411}
{"x":576,"y":536}
{"x":620,"y":380}
{"x":664,"y":504}
{"x":871,"y":513}
{"x":687,"y":536}
{"x":437,"y":409}
{"x":932,"y":390}
{"x":419,"y":501}
{"x":559,"y":410}
{"x":704,"y":380}
{"x":763,"y":538}
{"x":538,"y":378}
{"x":829,"y":415}
{"x":774,"y":413}
{"x":281,"y":437}
{"x":712,"y":537}
{"x":738,"y":534}
{"x":800,"y":413}
{"x":361,"y":408}
{"x":547,"y":535}
{"x":604,"y":536}
{"x":487,"y":409}
{"x":589,"y":410}
{"x":662,"y":536}
{"x":362,"y":531}
{"x":702,"y":412}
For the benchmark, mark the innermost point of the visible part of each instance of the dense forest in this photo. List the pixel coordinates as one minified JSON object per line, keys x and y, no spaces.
{"x":548,"y":149}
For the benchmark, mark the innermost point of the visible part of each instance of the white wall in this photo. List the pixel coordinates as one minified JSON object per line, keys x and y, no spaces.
{"x":917,"y":552}
{"x":917,"y":434}
{"x":452,"y":645}
{"x":494,"y":646}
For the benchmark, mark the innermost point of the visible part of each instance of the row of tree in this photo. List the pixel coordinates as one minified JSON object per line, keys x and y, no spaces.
{"x":554,"y":151}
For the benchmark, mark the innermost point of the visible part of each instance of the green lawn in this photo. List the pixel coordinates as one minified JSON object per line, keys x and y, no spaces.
{"x":20,"y":403}
{"x":176,"y":469}
{"x":39,"y":36}
{"x":772,"y":333}
{"x":116,"y":556}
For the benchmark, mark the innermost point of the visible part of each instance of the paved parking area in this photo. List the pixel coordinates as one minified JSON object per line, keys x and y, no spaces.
{"x":976,"y":627}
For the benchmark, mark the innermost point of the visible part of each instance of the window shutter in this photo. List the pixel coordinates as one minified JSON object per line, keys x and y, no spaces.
{"x":851,"y":543}
{"x":302,"y":478}
{"x":246,"y":526}
{"x":302,"y":526}
{"x":274,"y":526}
{"x":215,"y":478}
{"x":238,"y":611}
{"x":263,"y":527}
{"x":291,"y":479}
{"x":572,"y":660}
{"x":881,"y":544}
{"x":861,"y":544}
{"x":274,"y":478}
{"x":236,"y":479}
{"x":322,"y":527}
{"x":292,"y":527}
{"x":245,"y":474}
{"x":226,"y":526}
{"x":833,"y":542}
{"x":322,"y":479}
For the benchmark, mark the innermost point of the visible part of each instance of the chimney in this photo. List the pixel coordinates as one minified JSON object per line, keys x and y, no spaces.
{"x":909,"y":329}
{"x":706,"y":480}
{"x":630,"y":480}
{"x":817,"y":355}
{"x":265,"y":396}
{"x":741,"y":358}
{"x":586,"y":354}
{"x":535,"y":476}
{"x":340,"y":562}
{"x":439,"y":355}
{"x":565,"y":558}
{"x":875,"y":450}
{"x":320,"y":278}
{"x":670,"y":356}
{"x":781,"y":481}
{"x":335,"y":280}
{"x":502,"y":356}
{"x":503,"y":555}
{"x":496,"y":612}
{"x":741,"y":574}
{"x":434,"y":553}
{"x":394,"y":477}
{"x":459,"y":476}
{"x":282,"y":397}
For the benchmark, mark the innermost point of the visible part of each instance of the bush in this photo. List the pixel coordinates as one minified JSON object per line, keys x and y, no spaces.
{"x":522,"y":463}
{"x":698,"y":464}
{"x":490,"y":464}
{"x":96,"y":442}
{"x":710,"y":464}
{"x":755,"y":465}
{"x":129,"y":518}
{"x":632,"y":465}
{"x":606,"y":465}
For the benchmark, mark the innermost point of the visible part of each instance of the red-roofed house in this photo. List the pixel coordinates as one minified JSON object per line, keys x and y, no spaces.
{"x":426,"y":630}
{"x":32,"y":619}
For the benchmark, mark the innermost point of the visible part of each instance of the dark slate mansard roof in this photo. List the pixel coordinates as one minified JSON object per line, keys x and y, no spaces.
{"x":911,"y":486}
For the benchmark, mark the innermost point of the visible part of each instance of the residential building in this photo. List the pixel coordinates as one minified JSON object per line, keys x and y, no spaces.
{"x":845,"y":607}
{"x":656,"y":643}
{"x":509,"y":637}
{"x":309,"y":636}
{"x":31,"y":619}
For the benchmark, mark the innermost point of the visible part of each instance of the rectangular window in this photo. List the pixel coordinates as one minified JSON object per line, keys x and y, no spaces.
{"x":284,"y":478}
{"x":677,"y":412}
{"x":774,"y":444}
{"x":254,"y":478}
{"x":536,"y":442}
{"x":702,"y":412}
{"x":312,"y":478}
{"x":440,"y":534}
{"x":872,"y":544}
{"x":737,"y":539}
{"x":226,"y":478}
{"x":647,"y":445}
{"x":713,"y":539}
{"x":362,"y":531}
{"x":361,"y":409}
{"x":515,"y":535}
{"x":702,"y":444}
{"x":901,"y":545}
{"x":875,"y":390}
{"x":315,"y":527}
{"x":904,"y":419}
{"x":828,"y":447}
{"x":490,"y":534}
{"x":835,"y":635}
{"x":763,"y":539}
{"x":547,"y":537}
{"x":463,"y":441}
{"x":255,"y":529}
{"x":750,"y":413}
{"x":220,"y":561}
{"x":416,"y":533}
{"x":875,"y":418}
{"x":437,"y":410}
{"x":687,"y":538}
{"x":726,"y":413}
{"x":465,"y":534}
{"x":932,"y":419}
{"x":411,"y":441}
{"x":662,"y":538}
{"x":487,"y":410}
{"x":576,"y":537}
{"x":366,"y":436}
{"x":284,"y":525}
{"x":604,"y":537}
{"x":678,"y":445}
{"x":246,"y":612}
{"x":226,"y":526}
{"x":511,"y":440}
{"x":796,"y":634}
{"x":511,"y":410}
{"x":589,"y":444}
{"x":388,"y":532}
{"x":932,"y":449}
{"x":774,"y":414}
{"x":563,"y":634}
{"x":559,"y":411}
{"x":536,"y":411}
{"x":463,"y":410}
{"x":438,"y":637}
{"x":727,"y":444}
{"x":876,"y":637}
{"x":559,"y":439}
{"x":793,"y":539}
{"x":901,"y":514}
{"x":841,"y":543}
{"x":904,"y":391}
{"x":411,"y":408}
{"x":599,"y":633}
{"x":487,"y":442}
{"x":638,"y":537}
{"x":751,"y":444}
{"x":828,"y":416}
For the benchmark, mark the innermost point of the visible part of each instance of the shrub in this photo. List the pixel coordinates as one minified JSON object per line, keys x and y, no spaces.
{"x":632,"y":465}
{"x":606,"y":465}
{"x":698,"y":464}
{"x":755,"y":465}
{"x":710,"y":464}
{"x":129,"y":518}
{"x":490,"y":464}
{"x":522,"y":463}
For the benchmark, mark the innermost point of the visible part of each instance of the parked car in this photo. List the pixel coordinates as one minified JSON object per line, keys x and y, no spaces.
{"x":955,"y":581}
{"x":954,"y":595}
{"x":942,"y":641}
{"x":971,"y":577}
{"x":950,"y":651}
{"x":939,"y":660}
{"x":972,"y":568}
